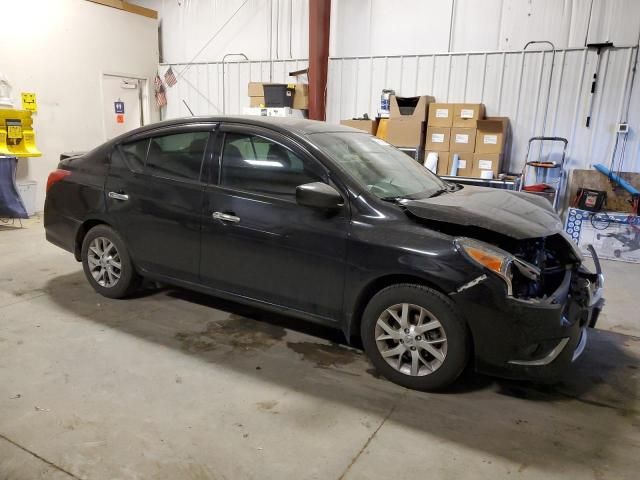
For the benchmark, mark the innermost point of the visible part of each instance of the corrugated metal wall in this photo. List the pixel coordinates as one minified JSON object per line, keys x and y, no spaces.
{"x":512,"y":84}
{"x":417,"y":27}
{"x":201,"y":85}
{"x":509,"y":82}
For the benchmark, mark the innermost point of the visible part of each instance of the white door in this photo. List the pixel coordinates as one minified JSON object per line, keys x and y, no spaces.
{"x":122,"y":104}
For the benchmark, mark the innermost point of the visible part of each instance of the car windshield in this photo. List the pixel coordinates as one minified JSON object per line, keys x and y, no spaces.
{"x":377,"y":166}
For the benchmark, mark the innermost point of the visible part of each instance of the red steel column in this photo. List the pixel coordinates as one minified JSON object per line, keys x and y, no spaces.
{"x":319,"y":21}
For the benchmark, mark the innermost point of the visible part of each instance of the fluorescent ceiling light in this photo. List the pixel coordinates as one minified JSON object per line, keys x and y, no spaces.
{"x":264,"y":163}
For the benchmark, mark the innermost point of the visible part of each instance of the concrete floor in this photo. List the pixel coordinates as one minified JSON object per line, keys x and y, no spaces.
{"x":175,"y":385}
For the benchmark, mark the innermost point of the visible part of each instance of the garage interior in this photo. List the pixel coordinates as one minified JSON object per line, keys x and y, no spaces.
{"x":176,"y":384}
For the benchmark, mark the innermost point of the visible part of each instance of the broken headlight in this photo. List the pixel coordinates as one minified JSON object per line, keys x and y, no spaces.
{"x":496,"y":260}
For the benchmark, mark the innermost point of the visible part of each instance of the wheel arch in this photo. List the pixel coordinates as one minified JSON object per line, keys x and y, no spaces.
{"x":82,"y":231}
{"x":352,"y":330}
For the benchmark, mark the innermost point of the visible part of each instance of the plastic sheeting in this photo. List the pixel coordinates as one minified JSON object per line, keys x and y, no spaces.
{"x":11,"y":205}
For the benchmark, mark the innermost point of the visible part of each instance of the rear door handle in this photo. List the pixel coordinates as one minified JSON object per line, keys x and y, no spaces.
{"x":118,"y":196}
{"x":225,"y":217}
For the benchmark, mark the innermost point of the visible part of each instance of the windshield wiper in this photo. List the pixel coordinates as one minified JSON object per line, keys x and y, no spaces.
{"x":439,"y":192}
{"x":450,"y":187}
{"x":392,"y":199}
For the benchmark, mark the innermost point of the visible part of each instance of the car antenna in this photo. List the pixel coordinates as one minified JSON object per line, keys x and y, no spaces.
{"x":190,"y":111}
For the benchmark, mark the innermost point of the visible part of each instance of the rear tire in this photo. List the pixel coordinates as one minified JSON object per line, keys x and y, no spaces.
{"x":107,"y":263}
{"x":423,"y":337}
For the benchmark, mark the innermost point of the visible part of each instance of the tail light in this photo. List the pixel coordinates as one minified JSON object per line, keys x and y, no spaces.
{"x":56,"y":176}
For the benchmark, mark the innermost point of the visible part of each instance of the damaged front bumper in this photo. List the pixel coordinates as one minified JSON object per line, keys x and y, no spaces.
{"x":531,"y":338}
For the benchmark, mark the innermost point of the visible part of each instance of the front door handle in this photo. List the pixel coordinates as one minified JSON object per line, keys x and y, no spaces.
{"x":225,"y":217}
{"x":118,"y":196}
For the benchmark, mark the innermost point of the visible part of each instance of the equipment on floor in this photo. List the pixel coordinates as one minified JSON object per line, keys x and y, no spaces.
{"x":548,"y":186}
{"x":590,"y":200}
{"x":17,"y":138}
{"x":633,"y":191}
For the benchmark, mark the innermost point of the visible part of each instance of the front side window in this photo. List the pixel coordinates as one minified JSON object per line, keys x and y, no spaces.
{"x":257,"y":164}
{"x":178,"y":156}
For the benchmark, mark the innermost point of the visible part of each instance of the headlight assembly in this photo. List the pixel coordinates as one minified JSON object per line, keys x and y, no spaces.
{"x":496,"y":260}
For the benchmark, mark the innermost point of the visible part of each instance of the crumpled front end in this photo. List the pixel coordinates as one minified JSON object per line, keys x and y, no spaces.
{"x":533,"y":326}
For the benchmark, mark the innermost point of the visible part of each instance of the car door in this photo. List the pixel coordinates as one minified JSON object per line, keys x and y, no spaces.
{"x":154,"y":195}
{"x":257,"y":241}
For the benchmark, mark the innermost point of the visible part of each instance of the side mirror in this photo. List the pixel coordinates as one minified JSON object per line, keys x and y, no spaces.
{"x":318,"y":195}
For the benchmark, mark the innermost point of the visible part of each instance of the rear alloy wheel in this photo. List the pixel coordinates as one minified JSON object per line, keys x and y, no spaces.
{"x":104,"y":262}
{"x":415,"y":337}
{"x":107,"y":264}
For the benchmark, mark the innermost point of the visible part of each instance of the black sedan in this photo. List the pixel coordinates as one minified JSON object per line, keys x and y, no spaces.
{"x":332,"y":225}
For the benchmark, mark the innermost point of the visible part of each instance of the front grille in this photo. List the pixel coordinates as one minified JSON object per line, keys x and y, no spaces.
{"x":552,"y":255}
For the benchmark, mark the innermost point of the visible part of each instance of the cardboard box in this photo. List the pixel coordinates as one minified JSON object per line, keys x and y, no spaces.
{"x":438,"y":139}
{"x":369,"y":126}
{"x":383,"y":125}
{"x":462,"y":140}
{"x":466,"y":115}
{"x":414,"y":107}
{"x":486,"y":162}
{"x":406,"y":119}
{"x":404,"y":132}
{"x":614,"y":238}
{"x":492,"y":135}
{"x":465,"y":163}
{"x":440,"y":115}
{"x":443,"y":162}
{"x":300,"y":96}
{"x":255,"y":89}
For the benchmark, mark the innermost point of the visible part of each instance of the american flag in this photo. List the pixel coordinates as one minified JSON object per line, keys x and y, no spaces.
{"x":170,"y":78}
{"x":161,"y":96}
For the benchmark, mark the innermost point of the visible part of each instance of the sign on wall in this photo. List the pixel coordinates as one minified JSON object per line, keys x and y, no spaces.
{"x":29,"y":101}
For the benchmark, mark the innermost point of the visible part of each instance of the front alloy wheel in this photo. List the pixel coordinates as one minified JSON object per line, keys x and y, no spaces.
{"x":415,"y":336}
{"x":411,"y":339}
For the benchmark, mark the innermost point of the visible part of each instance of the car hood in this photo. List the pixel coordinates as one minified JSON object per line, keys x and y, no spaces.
{"x":515,"y":214}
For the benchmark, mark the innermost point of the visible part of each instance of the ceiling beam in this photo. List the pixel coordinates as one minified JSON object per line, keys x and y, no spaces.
{"x":128,"y":7}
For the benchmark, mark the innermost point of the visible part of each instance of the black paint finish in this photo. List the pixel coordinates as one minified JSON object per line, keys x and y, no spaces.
{"x":317,"y":264}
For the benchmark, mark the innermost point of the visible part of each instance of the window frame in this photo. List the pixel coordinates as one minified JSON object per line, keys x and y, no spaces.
{"x":206,"y":164}
{"x":271,"y":136}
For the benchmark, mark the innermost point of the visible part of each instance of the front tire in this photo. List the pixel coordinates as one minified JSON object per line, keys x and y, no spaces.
{"x":415,"y":337}
{"x":107,"y":264}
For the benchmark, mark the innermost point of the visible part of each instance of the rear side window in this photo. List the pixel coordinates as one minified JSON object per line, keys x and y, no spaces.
{"x":260,"y":165}
{"x":178,"y":156}
{"x":135,"y":154}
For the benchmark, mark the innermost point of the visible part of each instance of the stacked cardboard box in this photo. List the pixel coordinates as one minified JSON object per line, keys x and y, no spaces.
{"x":364,"y":124}
{"x":300,"y":96}
{"x":461,"y":129}
{"x":490,"y":144}
{"x":451,"y":129}
{"x":407,"y":120}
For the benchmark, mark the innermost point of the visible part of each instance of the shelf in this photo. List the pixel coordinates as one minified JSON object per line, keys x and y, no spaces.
{"x":506,"y":184}
{"x":543,"y":165}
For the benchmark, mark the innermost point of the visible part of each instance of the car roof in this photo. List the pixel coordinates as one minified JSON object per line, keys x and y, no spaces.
{"x":298,"y":126}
